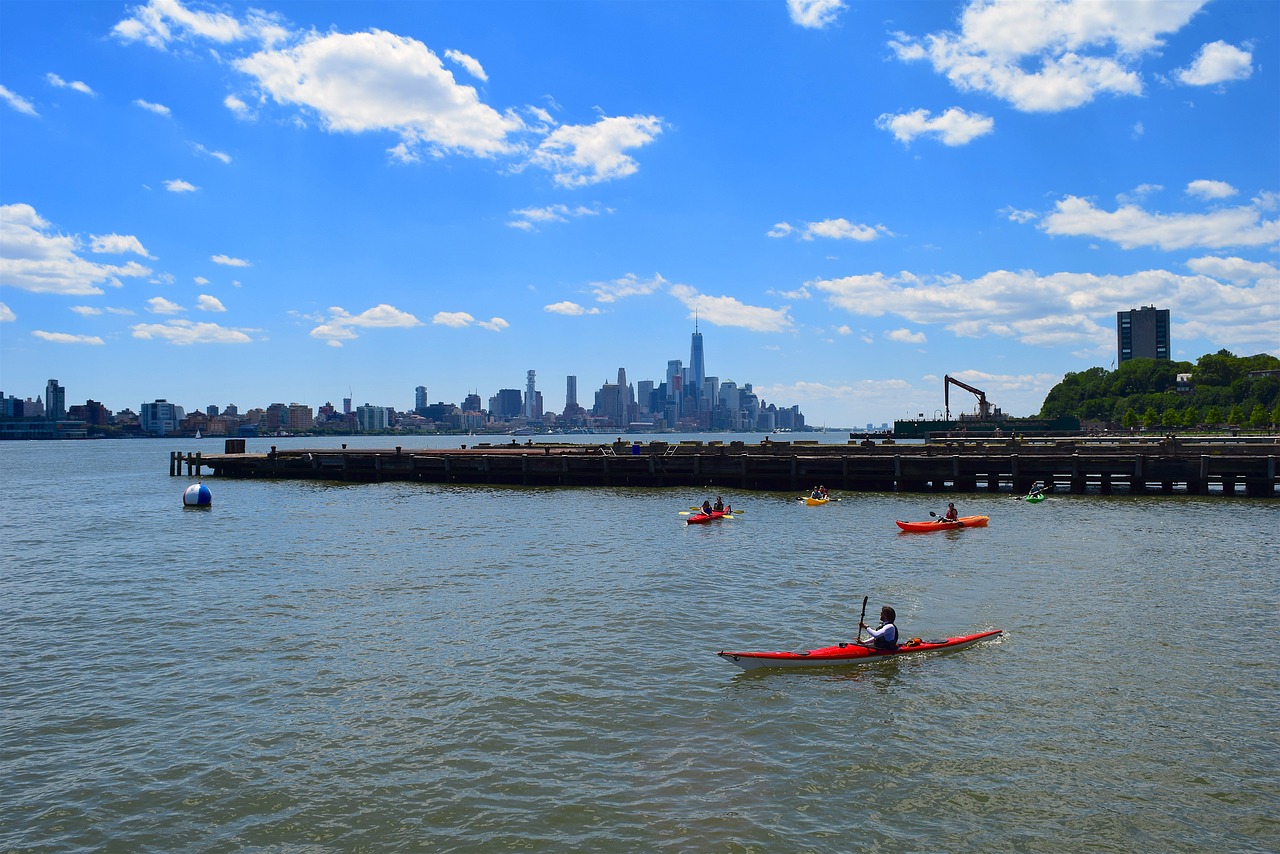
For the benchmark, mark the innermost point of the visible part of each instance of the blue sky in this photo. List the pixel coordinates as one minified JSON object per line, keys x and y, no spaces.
{"x":293,"y":202}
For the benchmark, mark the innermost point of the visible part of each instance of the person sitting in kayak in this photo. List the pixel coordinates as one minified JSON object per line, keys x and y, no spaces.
{"x":952,"y":513}
{"x":822,"y":492}
{"x":719,"y":505}
{"x":816,"y":493}
{"x":706,"y":508}
{"x":884,"y":636}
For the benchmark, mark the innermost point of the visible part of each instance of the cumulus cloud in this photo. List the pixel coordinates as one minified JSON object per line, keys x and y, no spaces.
{"x":461,"y":320}
{"x":207,"y":303}
{"x":237,"y":106}
{"x":831,"y":229}
{"x":1237,"y":270}
{"x":629,"y":285}
{"x":160,"y":23}
{"x":814,"y":14}
{"x":158,"y":109}
{"x":953,"y":127}
{"x":6,"y":314}
{"x":1210,"y":189}
{"x":228,"y":261}
{"x":569,"y":309}
{"x":1217,"y":62}
{"x":340,"y":324}
{"x":185,"y":332}
{"x":906,"y":336}
{"x":33,"y":257}
{"x":1130,"y":226}
{"x":1048,"y":55}
{"x":160,"y":305}
{"x":579,"y":155}
{"x":177,"y":185}
{"x":65,"y":337}
{"x":17,"y":102}
{"x":729,"y":311}
{"x":76,"y":85}
{"x":86,"y":310}
{"x":781,"y":229}
{"x":1068,"y":309}
{"x":117,"y":244}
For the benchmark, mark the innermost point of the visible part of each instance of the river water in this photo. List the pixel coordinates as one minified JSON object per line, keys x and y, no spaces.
{"x":382,"y":667}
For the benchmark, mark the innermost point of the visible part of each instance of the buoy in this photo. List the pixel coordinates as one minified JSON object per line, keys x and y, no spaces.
{"x":197,"y":495}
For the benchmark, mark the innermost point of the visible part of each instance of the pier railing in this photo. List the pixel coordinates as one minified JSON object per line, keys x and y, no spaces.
{"x":1194,"y":465}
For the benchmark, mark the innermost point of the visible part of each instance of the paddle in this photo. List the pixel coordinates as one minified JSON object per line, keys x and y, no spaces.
{"x":862,"y":619}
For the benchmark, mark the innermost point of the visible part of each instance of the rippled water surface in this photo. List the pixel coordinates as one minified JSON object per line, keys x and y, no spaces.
{"x":406,"y":667}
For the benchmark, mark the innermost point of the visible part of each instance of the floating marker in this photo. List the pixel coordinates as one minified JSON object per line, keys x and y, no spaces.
{"x":197,"y":495}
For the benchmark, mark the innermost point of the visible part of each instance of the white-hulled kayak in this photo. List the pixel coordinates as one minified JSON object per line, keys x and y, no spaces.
{"x":846,"y":653}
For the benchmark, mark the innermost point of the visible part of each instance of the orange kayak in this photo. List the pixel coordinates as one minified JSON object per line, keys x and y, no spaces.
{"x":944,"y":525}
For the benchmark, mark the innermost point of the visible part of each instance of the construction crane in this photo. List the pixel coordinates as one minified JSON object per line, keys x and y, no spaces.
{"x":984,"y":408}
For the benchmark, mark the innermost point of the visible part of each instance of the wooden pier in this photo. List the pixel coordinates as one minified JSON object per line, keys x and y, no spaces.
{"x":1196,"y":466}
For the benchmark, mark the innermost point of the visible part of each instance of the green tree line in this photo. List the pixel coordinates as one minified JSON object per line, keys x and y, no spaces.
{"x":1145,"y":393}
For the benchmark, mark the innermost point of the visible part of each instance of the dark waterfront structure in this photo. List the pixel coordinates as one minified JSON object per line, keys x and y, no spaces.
{"x":1142,"y":333}
{"x":1135,"y":465}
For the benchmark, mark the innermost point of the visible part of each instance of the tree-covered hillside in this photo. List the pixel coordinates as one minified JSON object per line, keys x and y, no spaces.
{"x":1145,"y":392}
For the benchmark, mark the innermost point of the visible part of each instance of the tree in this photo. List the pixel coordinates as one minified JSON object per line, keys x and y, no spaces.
{"x":1213,"y":416}
{"x":1275,"y":416}
{"x":1151,"y":418}
{"x":1237,"y":415}
{"x":1130,"y":419}
{"x":1258,"y":418}
{"x":1171,"y":418}
{"x":1190,"y":417}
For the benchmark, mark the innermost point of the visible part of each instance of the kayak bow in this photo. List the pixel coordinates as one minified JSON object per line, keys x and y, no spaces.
{"x":846,"y":653}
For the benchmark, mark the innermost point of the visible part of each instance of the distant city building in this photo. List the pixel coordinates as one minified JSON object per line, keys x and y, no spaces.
{"x":697,"y":370}
{"x":506,"y":404}
{"x":472,"y":403}
{"x":370,"y":418}
{"x":530,"y":408}
{"x":55,"y":401}
{"x":1142,"y":333}
{"x":211,"y":410}
{"x":160,"y":417}
{"x":419,"y":399}
{"x":570,"y":392}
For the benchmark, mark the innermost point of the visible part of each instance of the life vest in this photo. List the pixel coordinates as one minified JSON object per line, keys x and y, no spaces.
{"x":886,"y":642}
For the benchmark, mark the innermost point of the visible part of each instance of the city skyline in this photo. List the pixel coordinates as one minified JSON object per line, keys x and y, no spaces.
{"x":234,"y":202}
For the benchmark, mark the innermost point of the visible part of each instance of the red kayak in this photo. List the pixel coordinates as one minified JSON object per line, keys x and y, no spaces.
{"x":944,"y":525}
{"x":699,"y":518}
{"x":847,"y":653}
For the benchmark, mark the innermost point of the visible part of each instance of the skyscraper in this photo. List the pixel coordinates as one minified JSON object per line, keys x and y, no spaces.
{"x":570,"y":392}
{"x":697,"y":370}
{"x":420,"y":399}
{"x":530,"y":397}
{"x":1142,"y":333}
{"x":55,"y":401}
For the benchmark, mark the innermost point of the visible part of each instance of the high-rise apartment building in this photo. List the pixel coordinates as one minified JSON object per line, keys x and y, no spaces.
{"x":419,"y":399}
{"x":1142,"y":333}
{"x":55,"y":401}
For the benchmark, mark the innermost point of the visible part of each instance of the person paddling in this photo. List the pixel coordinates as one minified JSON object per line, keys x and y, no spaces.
{"x":706,"y":508}
{"x":952,"y":513}
{"x":719,"y":505}
{"x":884,"y":636}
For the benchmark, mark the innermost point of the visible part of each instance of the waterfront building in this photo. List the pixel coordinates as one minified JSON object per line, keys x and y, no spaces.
{"x":370,"y":418}
{"x":419,"y":399}
{"x":1142,"y":333}
{"x":55,"y":401}
{"x":506,"y":404}
{"x":160,"y":417}
{"x":300,"y":417}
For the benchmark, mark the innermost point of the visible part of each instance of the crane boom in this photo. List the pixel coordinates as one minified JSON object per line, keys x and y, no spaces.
{"x":984,"y":408}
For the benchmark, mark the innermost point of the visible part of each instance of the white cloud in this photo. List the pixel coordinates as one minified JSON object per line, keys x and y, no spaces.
{"x":1210,"y":189}
{"x":228,"y":261}
{"x":1130,"y":226}
{"x":86,"y":310}
{"x":161,"y":22}
{"x":842,"y":229}
{"x":461,"y":320}
{"x":158,"y":109}
{"x":1069,"y":309}
{"x":844,"y":330}
{"x":185,"y":332}
{"x":160,"y":305}
{"x":629,"y":285}
{"x":339,"y":325}
{"x":569,"y":309}
{"x":117,"y":244}
{"x":953,"y":127}
{"x":16,"y":101}
{"x":1048,"y":55}
{"x":65,"y":337}
{"x":906,"y":336}
{"x":814,"y":14}
{"x":529,"y":218}
{"x":378,"y":81}
{"x":1217,"y":62}
{"x":1019,"y":216}
{"x":6,"y":314}
{"x":35,"y":259}
{"x":469,"y":63}
{"x":580,"y":155}
{"x":177,"y":185}
{"x":200,"y":280}
{"x":237,"y":106}
{"x":217,"y":155}
{"x":1237,"y":270}
{"x":78,"y":86}
{"x":204,"y":302}
{"x":729,"y":311}
{"x":781,"y":229}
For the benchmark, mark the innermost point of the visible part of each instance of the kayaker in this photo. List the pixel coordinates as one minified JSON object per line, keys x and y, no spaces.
{"x":885,"y":635}
{"x":706,"y":508}
{"x":719,"y":505}
{"x":952,"y":513}
{"x":822,"y":492}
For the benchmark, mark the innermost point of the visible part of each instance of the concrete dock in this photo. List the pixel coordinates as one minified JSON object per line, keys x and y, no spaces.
{"x":1195,"y":465}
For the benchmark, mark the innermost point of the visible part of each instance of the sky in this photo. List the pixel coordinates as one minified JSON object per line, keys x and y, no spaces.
{"x":305,"y":201}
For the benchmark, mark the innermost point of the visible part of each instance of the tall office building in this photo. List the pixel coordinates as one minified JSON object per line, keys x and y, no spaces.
{"x":420,"y":399}
{"x":1142,"y":333}
{"x":530,"y":397}
{"x":570,"y":392}
{"x":55,"y":401}
{"x":697,"y":370}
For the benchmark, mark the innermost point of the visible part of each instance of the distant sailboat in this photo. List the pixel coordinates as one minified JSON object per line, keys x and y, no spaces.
{"x":198,"y":436}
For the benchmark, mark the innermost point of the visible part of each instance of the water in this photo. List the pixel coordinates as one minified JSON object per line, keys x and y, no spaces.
{"x":414,"y":667}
